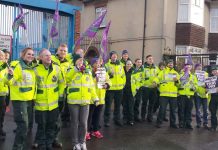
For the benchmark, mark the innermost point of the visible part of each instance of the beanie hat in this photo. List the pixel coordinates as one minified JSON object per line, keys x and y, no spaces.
{"x":169,"y":61}
{"x":112,"y":52}
{"x":75,"y":58}
{"x":124,"y":52}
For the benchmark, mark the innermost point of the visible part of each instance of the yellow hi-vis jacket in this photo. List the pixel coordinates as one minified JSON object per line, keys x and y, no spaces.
{"x":3,"y":79}
{"x":117,"y":75}
{"x":188,"y":87}
{"x":201,"y":89}
{"x":167,"y":86}
{"x":150,"y":75}
{"x":50,"y":87}
{"x":137,"y":79}
{"x":64,"y":65}
{"x":23,"y":82}
{"x":80,"y":87}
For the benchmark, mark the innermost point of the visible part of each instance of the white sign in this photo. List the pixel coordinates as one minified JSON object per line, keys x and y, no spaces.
{"x":201,"y":77}
{"x":211,"y":84}
{"x":5,"y":42}
{"x":101,"y":77}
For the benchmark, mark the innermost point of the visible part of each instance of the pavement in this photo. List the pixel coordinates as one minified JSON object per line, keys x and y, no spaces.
{"x":141,"y":136}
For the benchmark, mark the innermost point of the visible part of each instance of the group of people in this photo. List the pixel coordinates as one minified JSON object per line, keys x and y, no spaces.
{"x":67,"y":87}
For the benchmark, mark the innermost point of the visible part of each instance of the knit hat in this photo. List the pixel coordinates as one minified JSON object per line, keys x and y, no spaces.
{"x":213,"y":68}
{"x":75,"y":58}
{"x":169,"y":61}
{"x":94,"y":60}
{"x":124,"y":52}
{"x":112,"y":52}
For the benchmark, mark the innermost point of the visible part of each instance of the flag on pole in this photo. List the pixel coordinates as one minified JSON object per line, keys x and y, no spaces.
{"x":92,"y":30}
{"x":104,"y":43}
{"x":54,"y":30}
{"x":19,"y":20}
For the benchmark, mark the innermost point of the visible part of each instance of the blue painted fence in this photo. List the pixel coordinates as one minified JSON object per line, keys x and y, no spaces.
{"x":38,"y":21}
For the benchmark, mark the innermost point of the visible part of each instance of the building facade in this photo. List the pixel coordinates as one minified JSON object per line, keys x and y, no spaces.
{"x":157,"y":27}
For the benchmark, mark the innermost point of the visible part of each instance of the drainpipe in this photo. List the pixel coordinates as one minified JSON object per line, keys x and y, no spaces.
{"x":144,"y":27}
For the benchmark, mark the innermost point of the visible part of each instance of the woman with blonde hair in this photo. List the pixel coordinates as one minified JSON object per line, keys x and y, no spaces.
{"x":23,"y":88}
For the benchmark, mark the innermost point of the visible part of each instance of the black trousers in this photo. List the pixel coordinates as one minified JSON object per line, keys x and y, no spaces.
{"x":185,"y":105}
{"x":46,"y":127}
{"x":2,"y":111}
{"x":213,"y":106}
{"x":111,"y":95}
{"x":149,"y":95}
{"x":138,"y":99}
{"x":128,"y":105}
{"x":94,"y":117}
{"x":163,"y":106}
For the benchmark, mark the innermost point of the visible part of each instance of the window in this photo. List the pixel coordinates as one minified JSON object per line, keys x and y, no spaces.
{"x":99,"y":11}
{"x":214,"y":20}
{"x":191,"y":11}
{"x":183,"y":11}
{"x":198,"y":3}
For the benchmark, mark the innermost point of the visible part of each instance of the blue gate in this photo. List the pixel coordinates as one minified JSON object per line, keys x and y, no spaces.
{"x":38,"y":22}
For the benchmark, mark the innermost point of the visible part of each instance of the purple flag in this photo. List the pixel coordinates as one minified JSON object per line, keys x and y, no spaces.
{"x":92,"y":30}
{"x":54,"y":30}
{"x":104,"y":43}
{"x":184,"y":78}
{"x":19,"y":21}
{"x":189,"y":60}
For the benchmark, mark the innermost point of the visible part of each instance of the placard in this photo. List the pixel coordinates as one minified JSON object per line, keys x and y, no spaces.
{"x":211,"y":84}
{"x":5,"y":42}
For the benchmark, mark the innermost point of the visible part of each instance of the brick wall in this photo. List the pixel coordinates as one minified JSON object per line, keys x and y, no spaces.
{"x":77,"y":25}
{"x":213,"y":41}
{"x":190,"y":34}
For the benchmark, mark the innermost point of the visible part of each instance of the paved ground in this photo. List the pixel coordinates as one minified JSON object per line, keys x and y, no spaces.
{"x":142,"y":136}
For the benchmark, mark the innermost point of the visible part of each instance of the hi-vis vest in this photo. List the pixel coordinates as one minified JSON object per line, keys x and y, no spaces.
{"x":3,"y":79}
{"x":80,"y":87}
{"x":63,"y":65}
{"x":119,"y":78}
{"x":137,"y":79}
{"x":189,"y":87}
{"x":23,"y":83}
{"x":50,"y":87}
{"x":167,"y":86}
{"x":150,"y":75}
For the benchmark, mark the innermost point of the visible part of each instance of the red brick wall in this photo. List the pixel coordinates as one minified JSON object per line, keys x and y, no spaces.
{"x":213,"y":41}
{"x":190,"y":34}
{"x":77,"y":25}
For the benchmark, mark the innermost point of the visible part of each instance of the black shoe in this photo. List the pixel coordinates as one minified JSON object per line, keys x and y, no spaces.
{"x":174,"y":126}
{"x":107,"y":124}
{"x":158,"y":125}
{"x":181,"y":126}
{"x":14,"y":130}
{"x":35,"y":146}
{"x":57,"y":144}
{"x":166,"y":119}
{"x":131,"y":123}
{"x":118,"y":123}
{"x":189,"y":127}
{"x":198,"y":126}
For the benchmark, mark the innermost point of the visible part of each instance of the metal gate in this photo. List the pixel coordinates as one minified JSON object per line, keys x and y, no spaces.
{"x":38,"y":23}
{"x":204,"y":59}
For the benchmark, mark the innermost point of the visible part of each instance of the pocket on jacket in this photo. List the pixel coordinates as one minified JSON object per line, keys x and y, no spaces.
{"x":26,"y":89}
{"x":73,"y":90}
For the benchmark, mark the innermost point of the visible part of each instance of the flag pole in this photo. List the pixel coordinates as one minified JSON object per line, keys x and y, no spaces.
{"x":88,"y":46}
